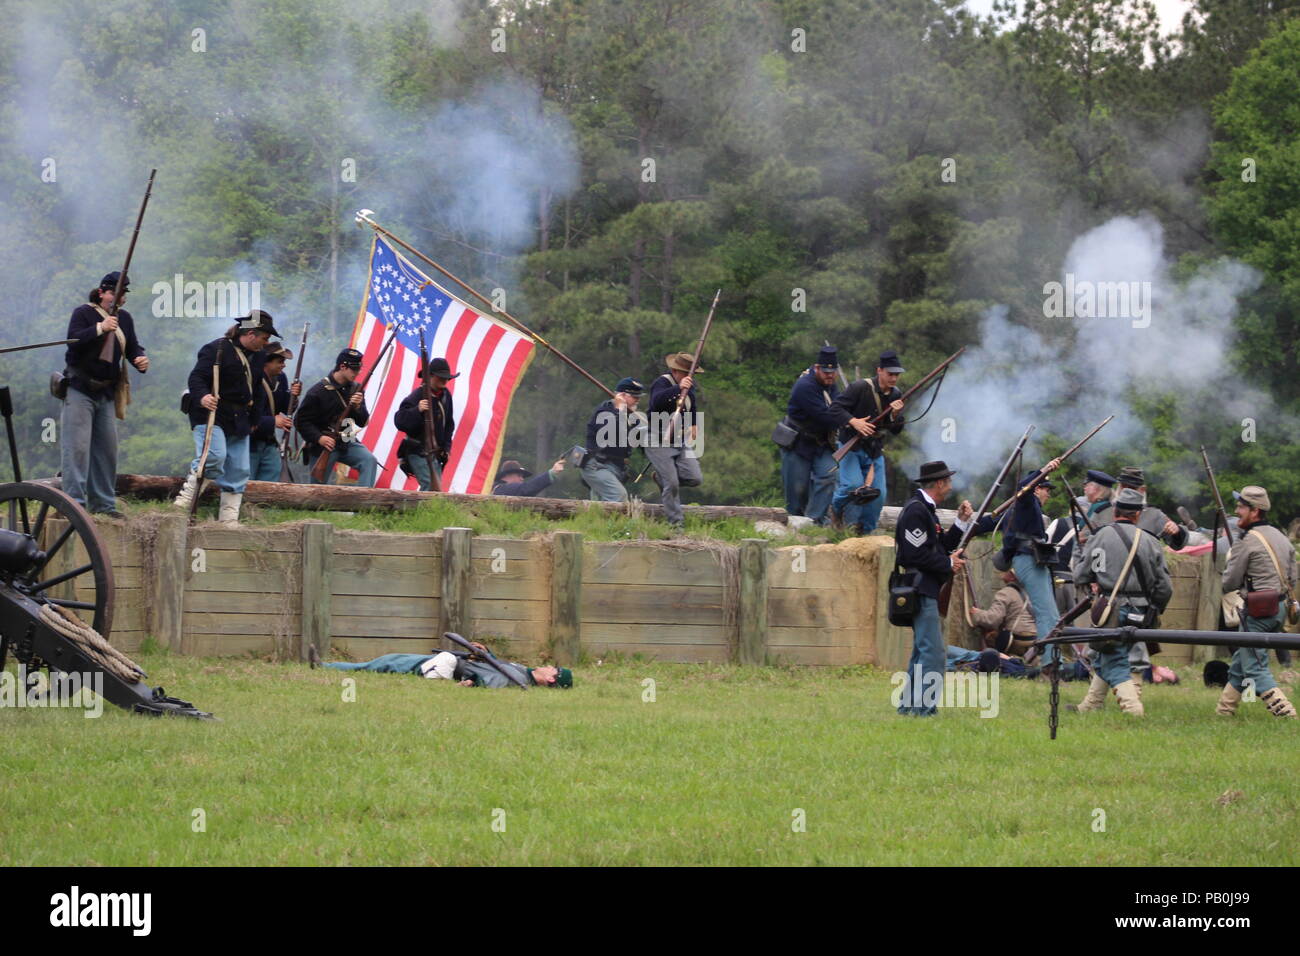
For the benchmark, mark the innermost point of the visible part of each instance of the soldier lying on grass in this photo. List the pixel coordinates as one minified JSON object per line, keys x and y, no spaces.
{"x":466,"y":669}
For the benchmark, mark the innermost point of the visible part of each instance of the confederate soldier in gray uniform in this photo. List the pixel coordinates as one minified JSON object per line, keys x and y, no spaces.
{"x":1155,"y":523}
{"x":671,"y":453}
{"x":1121,"y":553}
{"x":1262,"y":560}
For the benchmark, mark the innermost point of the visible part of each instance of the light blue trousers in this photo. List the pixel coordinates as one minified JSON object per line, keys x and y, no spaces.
{"x":1251,"y":663}
{"x":264,"y":462}
{"x":923,"y":688}
{"x":1037,"y":582}
{"x":227,"y":462}
{"x":853,"y":470}
{"x":358,"y":456}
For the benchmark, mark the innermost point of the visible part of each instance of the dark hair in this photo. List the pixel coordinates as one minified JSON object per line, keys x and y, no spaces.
{"x":95,"y":295}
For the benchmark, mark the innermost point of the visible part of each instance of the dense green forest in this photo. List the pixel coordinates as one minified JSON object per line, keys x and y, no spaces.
{"x":879,"y":173}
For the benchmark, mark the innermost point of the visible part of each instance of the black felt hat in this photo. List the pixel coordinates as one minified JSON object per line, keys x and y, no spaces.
{"x":933,"y":471}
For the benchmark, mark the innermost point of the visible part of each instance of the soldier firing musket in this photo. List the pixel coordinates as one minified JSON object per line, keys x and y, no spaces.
{"x":1025,"y":548}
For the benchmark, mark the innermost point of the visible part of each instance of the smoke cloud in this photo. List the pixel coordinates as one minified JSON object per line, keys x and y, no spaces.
{"x":1066,"y":374}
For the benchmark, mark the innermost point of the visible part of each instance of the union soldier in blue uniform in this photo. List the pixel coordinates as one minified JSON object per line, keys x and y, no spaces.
{"x":1025,"y":549}
{"x":673,"y":457}
{"x":808,"y":466}
{"x":863,"y":468}
{"x":239,"y":356}
{"x":97,"y":392}
{"x":270,"y":412}
{"x":923,"y":547}
{"x":613,"y":431}
{"x":517,"y":481}
{"x":319,"y":410}
{"x":409,"y":418}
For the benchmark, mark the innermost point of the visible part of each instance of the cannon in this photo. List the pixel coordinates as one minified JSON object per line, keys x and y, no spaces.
{"x":44,"y":531}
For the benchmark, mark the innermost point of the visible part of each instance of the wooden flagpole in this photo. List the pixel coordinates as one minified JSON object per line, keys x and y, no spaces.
{"x":363,"y":218}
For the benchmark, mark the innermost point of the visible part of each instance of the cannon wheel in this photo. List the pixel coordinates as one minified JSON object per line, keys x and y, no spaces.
{"x":29,"y":506}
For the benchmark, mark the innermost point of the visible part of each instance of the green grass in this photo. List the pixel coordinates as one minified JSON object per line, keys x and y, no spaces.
{"x":495,"y":519}
{"x":709,"y":773}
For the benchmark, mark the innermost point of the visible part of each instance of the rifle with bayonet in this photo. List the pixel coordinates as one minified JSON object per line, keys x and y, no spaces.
{"x":122,"y":391}
{"x":695,"y":364}
{"x":130,"y":249}
{"x":681,"y":395}
{"x":1031,"y":485}
{"x":945,"y":592}
{"x":335,"y":431}
{"x":1220,"y":513}
{"x":432,"y":449}
{"x":848,"y":446}
{"x":286,"y":474}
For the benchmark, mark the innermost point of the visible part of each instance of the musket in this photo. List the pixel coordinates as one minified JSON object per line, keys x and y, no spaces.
{"x":286,"y":474}
{"x":130,"y":250}
{"x":1074,"y":507}
{"x":695,"y":363}
{"x":945,"y":592}
{"x":1220,"y":511}
{"x":487,"y":656}
{"x":207,"y":434}
{"x":321,"y":467}
{"x":38,"y":345}
{"x":1041,"y":476}
{"x":431,"y":447}
{"x":845,"y":448}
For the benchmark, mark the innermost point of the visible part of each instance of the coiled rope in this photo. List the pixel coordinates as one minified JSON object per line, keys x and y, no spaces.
{"x":91,"y":643}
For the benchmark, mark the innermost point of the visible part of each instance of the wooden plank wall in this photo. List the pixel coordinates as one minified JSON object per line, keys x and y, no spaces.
{"x":510,"y":605}
{"x":816,"y":608}
{"x":126,"y":554}
{"x":384,"y":593}
{"x":824,"y":605}
{"x":242,"y":591}
{"x":665,"y":603}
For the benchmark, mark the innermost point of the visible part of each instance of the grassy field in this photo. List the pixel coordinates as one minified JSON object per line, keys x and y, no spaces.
{"x":711,"y":772}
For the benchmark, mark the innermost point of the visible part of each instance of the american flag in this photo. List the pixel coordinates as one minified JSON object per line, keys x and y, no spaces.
{"x":490,"y":356}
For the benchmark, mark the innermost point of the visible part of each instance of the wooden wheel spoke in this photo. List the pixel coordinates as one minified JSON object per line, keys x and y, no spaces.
{"x":80,"y":605}
{"x":56,"y":569}
{"x":66,"y":576}
{"x":59,"y":542}
{"x":39,"y":524}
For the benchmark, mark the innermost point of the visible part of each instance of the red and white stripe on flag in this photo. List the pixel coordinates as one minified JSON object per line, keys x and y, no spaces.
{"x":489,"y":355}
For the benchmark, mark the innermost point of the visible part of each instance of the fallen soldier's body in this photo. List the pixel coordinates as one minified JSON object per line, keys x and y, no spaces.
{"x":988,"y":661}
{"x":459,"y":666}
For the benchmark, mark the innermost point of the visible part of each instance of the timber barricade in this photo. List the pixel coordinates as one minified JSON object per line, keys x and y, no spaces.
{"x":271,"y":591}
